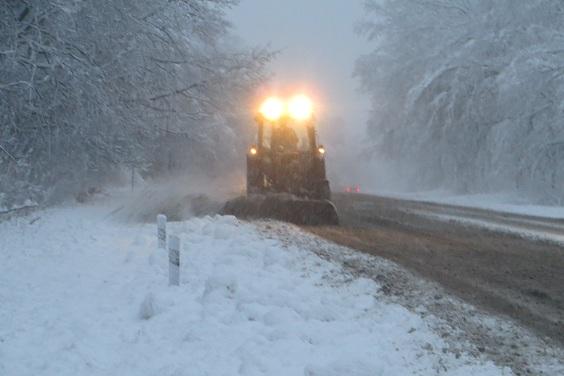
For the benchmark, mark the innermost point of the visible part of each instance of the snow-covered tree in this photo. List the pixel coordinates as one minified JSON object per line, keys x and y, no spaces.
{"x":468,"y":95}
{"x":88,"y":86}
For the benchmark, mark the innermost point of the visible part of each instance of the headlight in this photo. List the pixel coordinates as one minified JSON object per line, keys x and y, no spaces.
{"x":321,"y":150}
{"x":253,"y":151}
{"x":272,"y":109}
{"x":300,"y":107}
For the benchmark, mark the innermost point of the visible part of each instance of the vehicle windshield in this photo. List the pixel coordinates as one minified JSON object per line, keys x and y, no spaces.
{"x":289,"y":136}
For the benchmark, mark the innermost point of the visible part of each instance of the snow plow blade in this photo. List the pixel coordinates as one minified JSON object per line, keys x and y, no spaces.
{"x":285,"y":208}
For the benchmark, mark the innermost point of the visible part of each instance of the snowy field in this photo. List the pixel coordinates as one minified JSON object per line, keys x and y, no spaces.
{"x":522,"y":231}
{"x":85,"y":294}
{"x":497,"y":202}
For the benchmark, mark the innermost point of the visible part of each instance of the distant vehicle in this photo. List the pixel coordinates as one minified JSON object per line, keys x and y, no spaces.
{"x":286,"y":176}
{"x":352,"y":189}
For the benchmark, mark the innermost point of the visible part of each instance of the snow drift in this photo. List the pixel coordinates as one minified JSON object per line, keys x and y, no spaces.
{"x":85,"y":294}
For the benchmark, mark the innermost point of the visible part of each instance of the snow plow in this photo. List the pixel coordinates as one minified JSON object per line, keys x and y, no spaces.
{"x":286,"y":178}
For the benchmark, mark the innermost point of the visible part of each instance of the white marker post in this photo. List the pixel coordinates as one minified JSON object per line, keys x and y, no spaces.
{"x":161,"y":230}
{"x":174,"y":261}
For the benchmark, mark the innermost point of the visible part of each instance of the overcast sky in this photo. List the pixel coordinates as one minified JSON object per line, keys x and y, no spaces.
{"x":318,"y":49}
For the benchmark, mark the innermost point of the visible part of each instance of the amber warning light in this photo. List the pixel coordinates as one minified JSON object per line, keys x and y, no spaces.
{"x":299,"y":108}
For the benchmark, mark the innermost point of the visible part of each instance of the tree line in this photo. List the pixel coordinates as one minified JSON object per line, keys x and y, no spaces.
{"x":468,"y":95}
{"x":88,"y":87}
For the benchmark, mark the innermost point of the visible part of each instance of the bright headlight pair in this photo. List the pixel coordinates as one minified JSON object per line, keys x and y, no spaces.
{"x":298,"y":107}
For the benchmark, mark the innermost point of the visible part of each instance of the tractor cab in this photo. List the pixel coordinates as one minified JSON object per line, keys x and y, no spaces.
{"x":284,"y":136}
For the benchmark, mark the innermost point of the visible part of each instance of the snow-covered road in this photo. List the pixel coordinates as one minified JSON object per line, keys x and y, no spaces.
{"x":84,"y":294}
{"x":535,"y":222}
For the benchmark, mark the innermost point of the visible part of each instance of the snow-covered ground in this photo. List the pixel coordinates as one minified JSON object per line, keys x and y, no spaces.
{"x":82,"y":293}
{"x":522,"y":231}
{"x":498,"y":202}
{"x":540,"y":222}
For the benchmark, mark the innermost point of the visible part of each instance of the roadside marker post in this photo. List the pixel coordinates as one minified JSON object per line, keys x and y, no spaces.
{"x":174,"y":261}
{"x":161,"y":230}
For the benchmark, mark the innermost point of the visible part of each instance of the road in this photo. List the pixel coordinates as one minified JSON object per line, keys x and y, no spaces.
{"x":474,"y":253}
